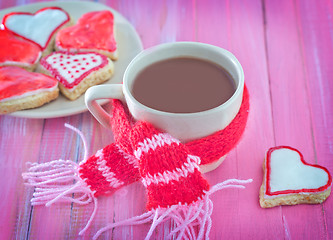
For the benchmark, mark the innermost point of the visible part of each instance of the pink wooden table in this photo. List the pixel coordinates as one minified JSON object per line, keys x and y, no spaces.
{"x":286,"y":49}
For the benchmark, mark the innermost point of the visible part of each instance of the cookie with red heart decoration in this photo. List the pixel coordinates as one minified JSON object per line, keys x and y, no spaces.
{"x":18,"y":52}
{"x":20,"y":89}
{"x":76,"y":72}
{"x":39,"y":27}
{"x":94,"y":31}
{"x":289,"y":180}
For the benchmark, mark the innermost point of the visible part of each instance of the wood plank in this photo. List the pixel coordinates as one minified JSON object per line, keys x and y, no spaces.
{"x":19,"y":143}
{"x":248,"y":44}
{"x":168,"y":21}
{"x":7,"y":4}
{"x":315,"y":25}
{"x":241,"y":30}
{"x":291,"y":110}
{"x":213,"y":23}
{"x":57,"y":142}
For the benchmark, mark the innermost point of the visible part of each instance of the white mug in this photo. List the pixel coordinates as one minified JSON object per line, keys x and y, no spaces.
{"x":183,"y":126}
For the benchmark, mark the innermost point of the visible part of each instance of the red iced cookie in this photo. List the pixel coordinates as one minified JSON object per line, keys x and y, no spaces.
{"x":18,"y":52}
{"x":20,"y":89}
{"x":94,"y":31}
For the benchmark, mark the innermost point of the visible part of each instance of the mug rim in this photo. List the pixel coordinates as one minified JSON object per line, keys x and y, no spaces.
{"x":226,"y":53}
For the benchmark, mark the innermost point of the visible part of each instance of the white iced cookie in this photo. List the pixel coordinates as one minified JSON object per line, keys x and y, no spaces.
{"x":40,"y":27}
{"x":76,"y":72}
{"x":289,"y":180}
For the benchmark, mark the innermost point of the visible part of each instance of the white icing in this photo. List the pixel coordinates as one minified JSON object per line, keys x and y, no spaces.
{"x":31,"y":93}
{"x":38,"y":27}
{"x":289,"y":173}
{"x":72,"y":67}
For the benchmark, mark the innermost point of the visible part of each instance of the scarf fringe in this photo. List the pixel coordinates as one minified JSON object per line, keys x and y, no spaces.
{"x":59,"y":181}
{"x":192,"y":221}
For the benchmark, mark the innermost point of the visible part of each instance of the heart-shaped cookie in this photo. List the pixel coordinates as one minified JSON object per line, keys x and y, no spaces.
{"x":77,"y":71}
{"x":38,"y":27}
{"x":20,"y":89}
{"x":94,"y":31}
{"x":289,"y":180}
{"x":18,"y":52}
{"x":71,"y":68}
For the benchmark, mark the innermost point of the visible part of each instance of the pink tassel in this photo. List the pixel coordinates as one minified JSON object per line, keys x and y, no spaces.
{"x":176,"y":190}
{"x":169,"y":170}
{"x":193,"y":221}
{"x":59,"y":181}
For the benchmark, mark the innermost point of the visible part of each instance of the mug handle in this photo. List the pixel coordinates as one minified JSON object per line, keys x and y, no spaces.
{"x":107,"y":91}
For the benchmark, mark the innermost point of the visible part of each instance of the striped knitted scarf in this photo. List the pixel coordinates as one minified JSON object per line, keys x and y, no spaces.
{"x":169,"y":169}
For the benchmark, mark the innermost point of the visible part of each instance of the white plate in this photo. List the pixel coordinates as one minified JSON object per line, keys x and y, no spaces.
{"x":128,"y":43}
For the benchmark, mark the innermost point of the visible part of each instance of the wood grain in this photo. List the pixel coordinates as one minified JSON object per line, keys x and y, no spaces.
{"x":285,"y":48}
{"x":245,"y":30}
{"x":292,"y":120}
{"x":315,"y":25}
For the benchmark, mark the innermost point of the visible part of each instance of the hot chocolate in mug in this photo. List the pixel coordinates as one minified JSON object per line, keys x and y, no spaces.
{"x":185,"y":126}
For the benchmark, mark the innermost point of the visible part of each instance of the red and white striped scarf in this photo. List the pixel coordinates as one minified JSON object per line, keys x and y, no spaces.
{"x":169,"y":169}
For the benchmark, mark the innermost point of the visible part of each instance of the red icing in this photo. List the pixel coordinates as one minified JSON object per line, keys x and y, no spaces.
{"x":31,"y":14}
{"x":291,"y":191}
{"x":15,"y":81}
{"x":13,"y":49}
{"x":94,"y":30}
{"x":54,"y":71}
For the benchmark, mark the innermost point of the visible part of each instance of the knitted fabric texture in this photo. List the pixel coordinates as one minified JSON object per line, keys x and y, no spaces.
{"x":108,"y":170}
{"x":168,"y":169}
{"x":115,"y":166}
{"x":218,"y":144}
{"x":209,"y":149}
{"x":170,"y":174}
